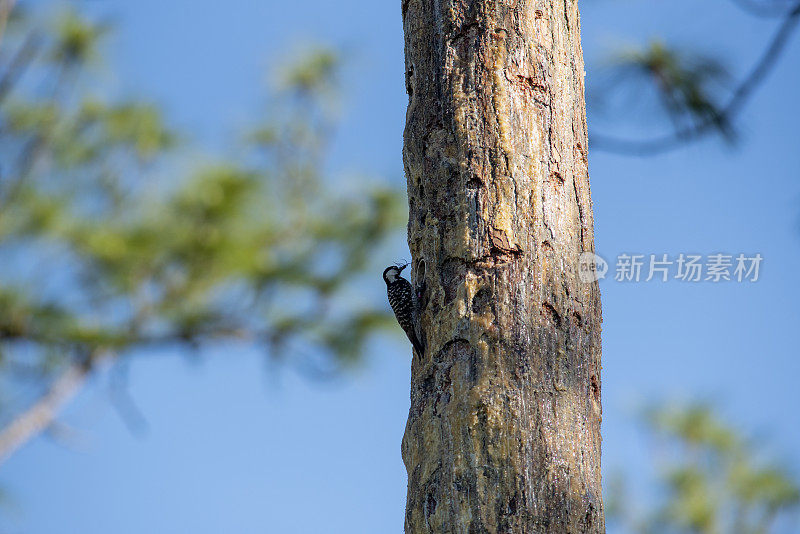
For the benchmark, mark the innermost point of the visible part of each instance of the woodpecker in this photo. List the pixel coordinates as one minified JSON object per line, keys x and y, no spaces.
{"x":401,"y":299}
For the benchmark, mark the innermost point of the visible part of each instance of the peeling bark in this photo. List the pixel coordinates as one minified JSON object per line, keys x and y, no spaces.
{"x":503,"y":433}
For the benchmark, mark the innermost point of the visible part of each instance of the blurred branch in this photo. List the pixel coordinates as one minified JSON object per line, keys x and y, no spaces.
{"x":712,"y":478}
{"x":121,"y":400}
{"x":18,"y":64}
{"x":39,"y":417}
{"x":5,"y":11}
{"x":773,"y":9}
{"x":735,"y":104}
{"x":43,"y":412}
{"x":242,"y":250}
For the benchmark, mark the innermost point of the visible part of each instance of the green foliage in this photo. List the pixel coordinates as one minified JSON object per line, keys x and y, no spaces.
{"x":688,"y":85}
{"x":715,"y":480}
{"x":112,"y":258}
{"x":313,"y":72}
{"x":76,"y":39}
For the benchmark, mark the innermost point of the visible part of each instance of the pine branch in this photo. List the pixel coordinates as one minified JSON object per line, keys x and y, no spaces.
{"x":743,"y":92}
{"x":43,"y":412}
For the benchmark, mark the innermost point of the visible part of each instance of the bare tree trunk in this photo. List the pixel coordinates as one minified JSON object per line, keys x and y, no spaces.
{"x":503,"y":433}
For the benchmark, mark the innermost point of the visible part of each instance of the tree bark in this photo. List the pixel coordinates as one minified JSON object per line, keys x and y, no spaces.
{"x":503,"y":432}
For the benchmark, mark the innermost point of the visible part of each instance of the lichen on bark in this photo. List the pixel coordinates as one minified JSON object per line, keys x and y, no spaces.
{"x":503,"y":433}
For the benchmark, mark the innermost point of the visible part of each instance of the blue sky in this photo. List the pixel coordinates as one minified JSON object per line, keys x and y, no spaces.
{"x":233,"y":446}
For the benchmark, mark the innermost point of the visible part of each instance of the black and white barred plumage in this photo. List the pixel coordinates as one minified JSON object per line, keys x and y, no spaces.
{"x":401,"y":299}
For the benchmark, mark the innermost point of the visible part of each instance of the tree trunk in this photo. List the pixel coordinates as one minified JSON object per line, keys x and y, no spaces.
{"x":503,"y":433}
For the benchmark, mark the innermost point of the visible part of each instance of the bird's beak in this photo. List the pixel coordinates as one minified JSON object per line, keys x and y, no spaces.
{"x":403,"y":267}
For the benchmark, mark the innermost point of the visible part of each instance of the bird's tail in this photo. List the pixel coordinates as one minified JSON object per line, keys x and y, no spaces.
{"x":419,"y":347}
